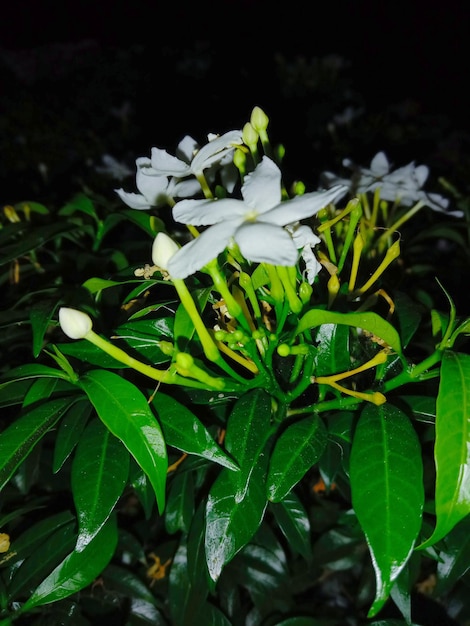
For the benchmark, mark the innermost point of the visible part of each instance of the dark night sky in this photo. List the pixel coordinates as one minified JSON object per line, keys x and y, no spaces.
{"x":398,"y":50}
{"x":421,"y":45}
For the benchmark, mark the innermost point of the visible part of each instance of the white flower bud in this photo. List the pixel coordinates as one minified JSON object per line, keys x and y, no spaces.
{"x":75,"y":324}
{"x":162,"y":250}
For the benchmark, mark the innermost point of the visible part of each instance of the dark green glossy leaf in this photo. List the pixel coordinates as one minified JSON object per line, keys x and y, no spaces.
{"x":422,"y":407}
{"x":387,"y":491}
{"x":184,"y":431}
{"x":306,"y":621}
{"x":452,"y":446}
{"x":99,"y":474}
{"x":68,"y":433}
{"x":77,"y":570}
{"x":40,"y":390}
{"x":143,"y":487}
{"x":32,"y":370}
{"x":44,"y":558}
{"x":18,"y":440}
{"x":127,"y":584}
{"x":125,"y":412}
{"x":332,"y":355}
{"x":41,"y":315}
{"x":35,"y":536}
{"x":233,"y":515}
{"x":146,"y":335}
{"x":296,"y":450}
{"x":293,"y":521}
{"x":454,"y":558}
{"x":248,"y":429}
{"x":368,"y":321}
{"x":186,"y":596}
{"x":409,"y":316}
{"x":34,"y":237}
{"x":86,"y":351}
{"x":14,"y":392}
{"x":180,"y":503}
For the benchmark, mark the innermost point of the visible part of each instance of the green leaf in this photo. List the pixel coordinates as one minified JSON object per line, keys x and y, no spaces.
{"x":183,"y":430}
{"x":387,"y":491}
{"x":452,"y":446}
{"x":34,"y":237}
{"x":369,"y":321}
{"x":146,"y":335}
{"x":40,"y":316}
{"x":180,"y":503}
{"x":294,"y":523}
{"x":53,"y":548}
{"x":77,"y":570}
{"x":454,"y":558}
{"x":35,"y":536}
{"x":237,"y":500}
{"x":233,"y":515}
{"x":332,"y":355}
{"x":18,"y":440}
{"x":296,"y":450}
{"x":96,"y":284}
{"x":99,"y":474}
{"x":128,"y":584}
{"x":32,"y":370}
{"x":69,"y":431}
{"x":86,"y":351}
{"x":40,"y":390}
{"x":79,"y":203}
{"x":125,"y":412}
{"x":185,"y":596}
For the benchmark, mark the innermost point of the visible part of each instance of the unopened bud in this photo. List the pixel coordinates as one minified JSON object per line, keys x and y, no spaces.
{"x":162,"y":250}
{"x":75,"y":324}
{"x":259,"y":119}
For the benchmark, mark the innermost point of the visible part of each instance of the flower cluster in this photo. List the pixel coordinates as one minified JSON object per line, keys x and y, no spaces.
{"x":263,"y":225}
{"x":403,"y":185}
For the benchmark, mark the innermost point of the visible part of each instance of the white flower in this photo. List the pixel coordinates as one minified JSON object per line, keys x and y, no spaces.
{"x":155,"y":189}
{"x":255,"y":223}
{"x":403,"y":185}
{"x":162,"y":250}
{"x":194,"y":160}
{"x":75,"y":324}
{"x":305,"y":240}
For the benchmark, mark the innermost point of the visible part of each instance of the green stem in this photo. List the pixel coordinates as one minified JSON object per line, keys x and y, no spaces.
{"x":416,"y":373}
{"x":169,"y":376}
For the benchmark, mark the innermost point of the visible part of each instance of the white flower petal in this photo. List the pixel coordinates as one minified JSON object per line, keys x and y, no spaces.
{"x":304,"y":206}
{"x":187,"y":148}
{"x":169,"y":165}
{"x":262,"y":188}
{"x":303,"y":236}
{"x":205,"y":212}
{"x":134,"y":200}
{"x":261,"y":242}
{"x":379,"y":165}
{"x":183,"y":188}
{"x":197,"y":253}
{"x":312,"y":265}
{"x":154,"y":188}
{"x":421,"y":174}
{"x":215,"y":150}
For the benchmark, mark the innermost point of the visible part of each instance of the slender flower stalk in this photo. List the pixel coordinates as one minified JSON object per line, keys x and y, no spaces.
{"x":78,"y":325}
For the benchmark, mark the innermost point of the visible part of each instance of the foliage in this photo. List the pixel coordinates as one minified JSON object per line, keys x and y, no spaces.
{"x":257,"y":443}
